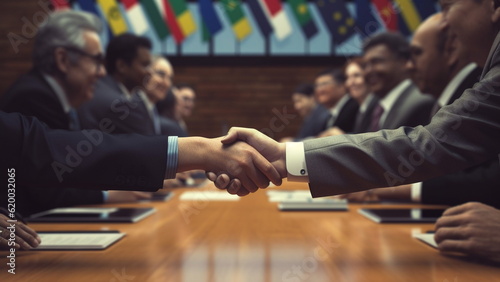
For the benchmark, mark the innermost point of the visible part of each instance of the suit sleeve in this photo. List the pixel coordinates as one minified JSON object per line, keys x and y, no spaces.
{"x":460,"y":135}
{"x":88,"y":159}
{"x":479,"y":183}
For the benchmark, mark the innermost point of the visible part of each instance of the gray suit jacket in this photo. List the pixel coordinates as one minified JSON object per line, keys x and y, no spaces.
{"x":460,"y":135}
{"x":410,"y":109}
{"x":110,"y":111}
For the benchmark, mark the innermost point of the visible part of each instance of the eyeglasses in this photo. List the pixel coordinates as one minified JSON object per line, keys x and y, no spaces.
{"x":98,"y":58}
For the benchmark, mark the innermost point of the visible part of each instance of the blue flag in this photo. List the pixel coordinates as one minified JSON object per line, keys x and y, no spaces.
{"x":209,"y":16}
{"x":366,"y":22}
{"x":261,"y":19}
{"x":337,"y":18}
{"x":89,"y":6}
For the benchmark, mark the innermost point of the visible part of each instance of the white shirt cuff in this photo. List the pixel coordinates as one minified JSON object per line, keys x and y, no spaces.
{"x":416,"y":192}
{"x":296,"y":162}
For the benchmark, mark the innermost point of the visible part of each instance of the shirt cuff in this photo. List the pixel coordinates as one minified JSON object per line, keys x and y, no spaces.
{"x":296,"y":162}
{"x":172,"y":157}
{"x":416,"y":192}
{"x":105,"y":196}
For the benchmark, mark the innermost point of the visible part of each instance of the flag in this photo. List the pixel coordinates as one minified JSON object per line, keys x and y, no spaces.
{"x":365,"y":20}
{"x":89,"y":7}
{"x":409,"y":14}
{"x":425,"y":8}
{"x":337,"y":19}
{"x":209,"y":18}
{"x":387,"y":14}
{"x":304,"y":18}
{"x":179,"y":19}
{"x":241,"y":25}
{"x":60,"y":4}
{"x":113,"y":16}
{"x":172,"y":23}
{"x":260,"y":17}
{"x":155,"y":18}
{"x":136,"y":16}
{"x":277,"y":17}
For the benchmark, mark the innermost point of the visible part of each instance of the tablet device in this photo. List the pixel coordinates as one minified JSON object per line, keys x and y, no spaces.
{"x":92,"y":215}
{"x":416,"y":215}
{"x":313,"y":206}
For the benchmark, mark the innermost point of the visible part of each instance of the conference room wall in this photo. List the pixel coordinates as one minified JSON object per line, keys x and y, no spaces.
{"x":229,"y":94}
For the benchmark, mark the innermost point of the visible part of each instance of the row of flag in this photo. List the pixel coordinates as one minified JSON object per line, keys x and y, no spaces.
{"x":174,"y":18}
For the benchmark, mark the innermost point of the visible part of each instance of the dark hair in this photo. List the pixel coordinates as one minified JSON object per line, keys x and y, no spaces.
{"x":305,"y":89}
{"x":394,"y":41}
{"x":337,"y":75}
{"x":124,"y":47}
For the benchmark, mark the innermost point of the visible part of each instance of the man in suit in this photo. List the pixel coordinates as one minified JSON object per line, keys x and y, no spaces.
{"x":65,"y":71}
{"x":437,"y":56}
{"x":117,"y":106}
{"x":460,"y":135}
{"x":330,"y":92}
{"x":386,"y":57}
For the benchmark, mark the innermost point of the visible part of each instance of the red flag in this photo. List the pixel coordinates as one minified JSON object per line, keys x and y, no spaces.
{"x":387,"y":14}
{"x":60,"y":4}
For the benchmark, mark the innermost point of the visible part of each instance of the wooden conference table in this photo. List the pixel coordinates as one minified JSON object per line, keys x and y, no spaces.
{"x":249,"y":240}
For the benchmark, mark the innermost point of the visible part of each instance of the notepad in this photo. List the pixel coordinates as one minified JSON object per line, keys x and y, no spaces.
{"x":427,"y":238}
{"x":208,"y":196}
{"x":92,"y":215}
{"x":78,"y":240}
{"x":301,"y":200}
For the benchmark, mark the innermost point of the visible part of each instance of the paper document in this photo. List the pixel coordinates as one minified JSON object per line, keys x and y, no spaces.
{"x":427,"y":238}
{"x":78,"y":240}
{"x":208,"y":196}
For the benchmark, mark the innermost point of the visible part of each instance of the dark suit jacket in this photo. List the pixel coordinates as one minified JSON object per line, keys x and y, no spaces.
{"x":410,"y":109}
{"x":31,"y":95}
{"x":479,"y":183}
{"x":314,"y":123}
{"x":50,"y":158}
{"x":171,"y":128}
{"x":110,"y":106}
{"x":460,"y":135}
{"x":347,"y":116}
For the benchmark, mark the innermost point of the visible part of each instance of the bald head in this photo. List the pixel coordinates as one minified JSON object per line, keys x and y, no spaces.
{"x":434,"y":56}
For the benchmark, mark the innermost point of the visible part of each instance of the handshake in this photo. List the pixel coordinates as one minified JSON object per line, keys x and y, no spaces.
{"x":241,"y":162}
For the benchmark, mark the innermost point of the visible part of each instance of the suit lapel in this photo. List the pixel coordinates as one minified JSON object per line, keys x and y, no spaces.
{"x":397,"y":107}
{"x":493,"y":50}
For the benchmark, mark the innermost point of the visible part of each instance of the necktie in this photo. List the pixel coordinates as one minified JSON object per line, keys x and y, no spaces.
{"x":74,"y":123}
{"x":156,"y":121}
{"x":331,"y":121}
{"x":376,"y":114}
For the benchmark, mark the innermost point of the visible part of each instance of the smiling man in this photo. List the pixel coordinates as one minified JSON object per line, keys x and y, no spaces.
{"x":401,"y":103}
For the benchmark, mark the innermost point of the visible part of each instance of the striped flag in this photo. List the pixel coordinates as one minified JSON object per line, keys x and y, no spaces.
{"x":387,"y":14}
{"x":113,"y":16}
{"x":409,"y":14}
{"x":89,"y":6}
{"x":304,"y":18}
{"x":365,"y":20}
{"x":60,"y":4}
{"x":136,"y":16}
{"x":237,"y":18}
{"x":337,"y":18}
{"x":155,"y":18}
{"x":210,"y":19}
{"x":260,"y":17}
{"x":179,"y":19}
{"x":278,"y":18}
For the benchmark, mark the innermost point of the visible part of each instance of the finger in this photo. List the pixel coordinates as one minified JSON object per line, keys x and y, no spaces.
{"x":237,"y":133}
{"x":449,"y":233}
{"x":222,"y":181}
{"x":234,"y":189}
{"x":25,"y":239}
{"x":268,"y":170}
{"x":247,"y":183}
{"x":460,"y":246}
{"x":211,"y":176}
{"x":4,"y":243}
{"x":31,"y":232}
{"x":449,"y":221}
{"x":458,"y":209}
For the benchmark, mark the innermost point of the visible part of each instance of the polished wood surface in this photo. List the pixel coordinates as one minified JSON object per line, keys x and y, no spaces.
{"x":250,"y":240}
